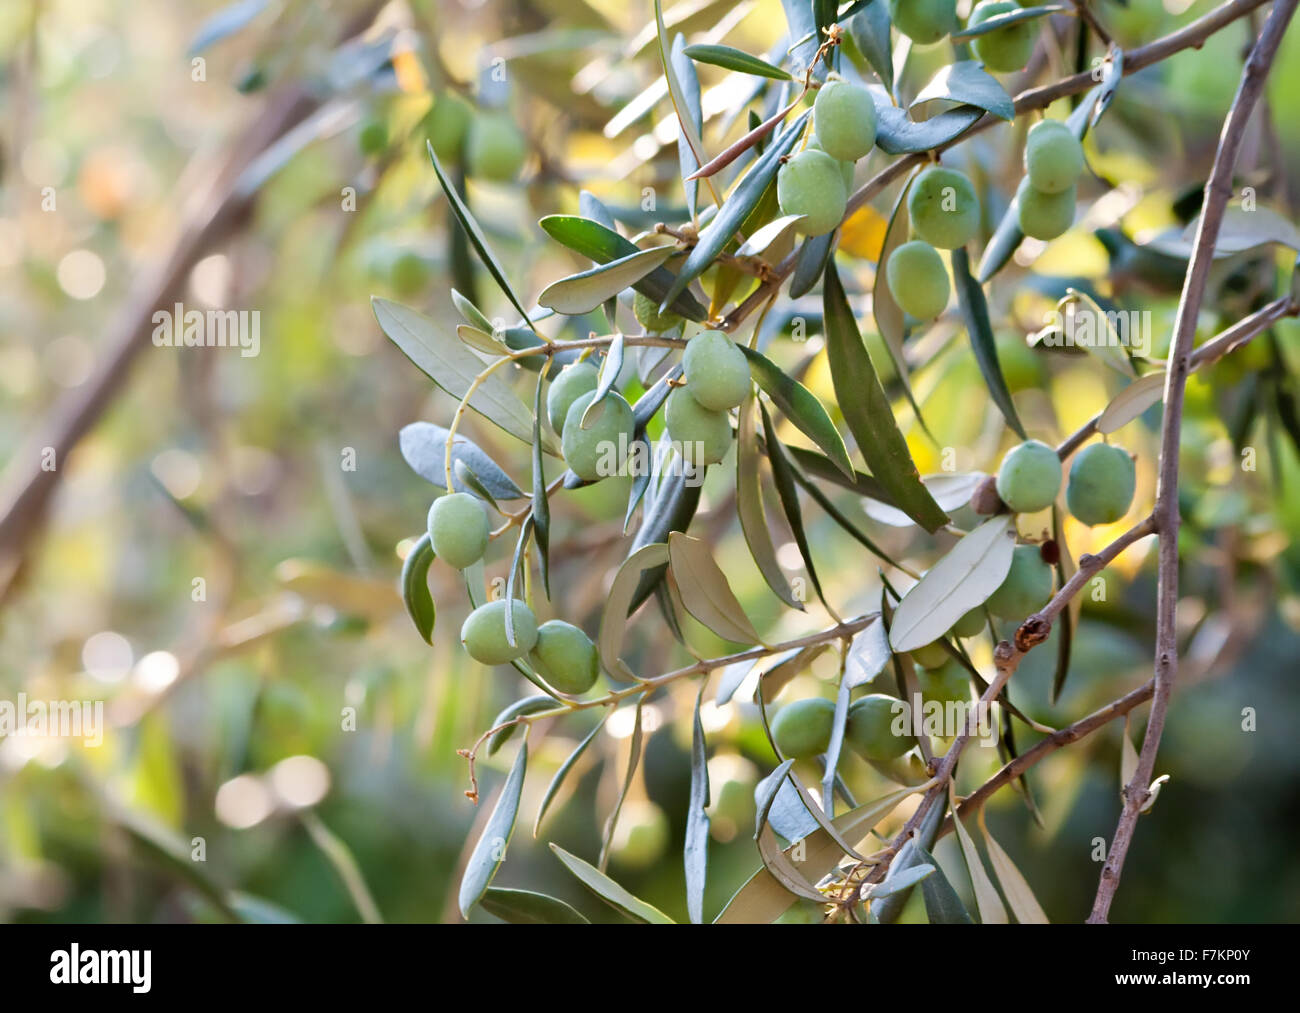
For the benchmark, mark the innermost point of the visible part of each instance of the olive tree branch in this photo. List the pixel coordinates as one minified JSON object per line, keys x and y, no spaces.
{"x":1241,"y":333}
{"x":1189,"y":36}
{"x":1217,"y":192}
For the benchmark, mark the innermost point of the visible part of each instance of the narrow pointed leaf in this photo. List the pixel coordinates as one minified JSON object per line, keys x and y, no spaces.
{"x":557,"y":781}
{"x":609,"y":891}
{"x":528,"y":705}
{"x":524,"y":907}
{"x":942,"y":905}
{"x":735,"y":209}
{"x":975,"y":312}
{"x":968,"y":82}
{"x":633,"y":761}
{"x":613,"y":622}
{"x":1024,"y":905}
{"x":991,"y":909}
{"x":490,"y":850}
{"x":472,"y":229}
{"x":697,"y":820}
{"x":866,"y":410}
{"x":415,"y":587}
{"x":584,"y":292}
{"x":705,"y":591}
{"x":1010,"y":18}
{"x":749,"y":506}
{"x":734,"y":59}
{"x":800,"y":406}
{"x":962,"y":580}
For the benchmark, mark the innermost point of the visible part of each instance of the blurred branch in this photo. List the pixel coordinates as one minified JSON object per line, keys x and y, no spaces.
{"x":220,"y":210}
{"x":1217,"y":192}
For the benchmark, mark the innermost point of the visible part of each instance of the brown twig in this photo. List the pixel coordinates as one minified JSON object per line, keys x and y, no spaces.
{"x":1217,"y":192}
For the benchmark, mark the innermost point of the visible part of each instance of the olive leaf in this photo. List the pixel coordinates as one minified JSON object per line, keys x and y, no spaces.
{"x":453,"y":367}
{"x":1007,"y":19}
{"x":602,"y":244}
{"x":524,"y":907}
{"x":613,"y":621}
{"x":424,"y":448}
{"x":1132,"y":401}
{"x":763,"y":899}
{"x":898,"y":134}
{"x":474,"y":316}
{"x":942,"y":905}
{"x":1024,"y":905}
{"x":991,"y":909}
{"x":810,"y":262}
{"x":868,"y":414}
{"x":687,"y":155}
{"x":696,"y":850}
{"x":633,"y":760}
{"x":682,"y":105}
{"x":783,"y":477}
{"x":743,"y":198}
{"x":801,"y":406}
{"x":889,"y":316}
{"x":490,"y":850}
{"x":415,"y":587}
{"x":962,"y":580}
{"x":528,"y":705}
{"x":1106,"y":344}
{"x":541,"y":505}
{"x":968,"y":82}
{"x":975,"y":312}
{"x":705,"y":591}
{"x":789,"y":665}
{"x":915,"y":851}
{"x":610,"y":367}
{"x":950,"y":490}
{"x":868,"y":29}
{"x":583,"y":292}
{"x":734,"y":59}
{"x":475,"y":233}
{"x":609,"y":891}
{"x":553,"y":788}
{"x":749,"y":506}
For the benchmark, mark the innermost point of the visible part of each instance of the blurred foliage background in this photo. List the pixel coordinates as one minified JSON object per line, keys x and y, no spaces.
{"x":283,"y":718}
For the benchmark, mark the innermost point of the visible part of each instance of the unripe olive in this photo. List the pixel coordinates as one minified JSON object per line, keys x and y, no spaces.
{"x":947,"y":684}
{"x":1044,"y":215}
{"x":1102,"y":483}
{"x":812,"y":184}
{"x":495,"y":149}
{"x":869,"y":730}
{"x":1020,"y":365}
{"x":717,"y":372}
{"x":484,"y":633}
{"x":932,"y":655}
{"x":1030,"y":477}
{"x":1053,"y":157}
{"x":646,"y":311}
{"x":844,"y":120}
{"x":969,"y":625}
{"x":458,"y":529}
{"x":448,"y":123}
{"x":565,"y":657}
{"x":597,"y":452}
{"x":847,"y":168}
{"x":573,"y":381}
{"x":924,"y":21}
{"x":1004,"y":49}
{"x":704,"y":436}
{"x":1027,"y":587}
{"x":372,"y":138}
{"x":641,"y":836}
{"x":944,"y":209}
{"x":409,"y":274}
{"x":918,"y":280}
{"x":802,"y":729}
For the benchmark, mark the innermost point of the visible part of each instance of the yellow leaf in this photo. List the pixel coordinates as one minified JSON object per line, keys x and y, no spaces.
{"x":863,"y":235}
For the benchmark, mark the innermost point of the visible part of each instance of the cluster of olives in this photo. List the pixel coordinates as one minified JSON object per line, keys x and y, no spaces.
{"x":802,"y":729}
{"x":816,"y":182}
{"x":1100,"y":489}
{"x":487,"y":142}
{"x":945,"y":214}
{"x":1053,"y":165}
{"x":1004,"y":49}
{"x":717,"y":380}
